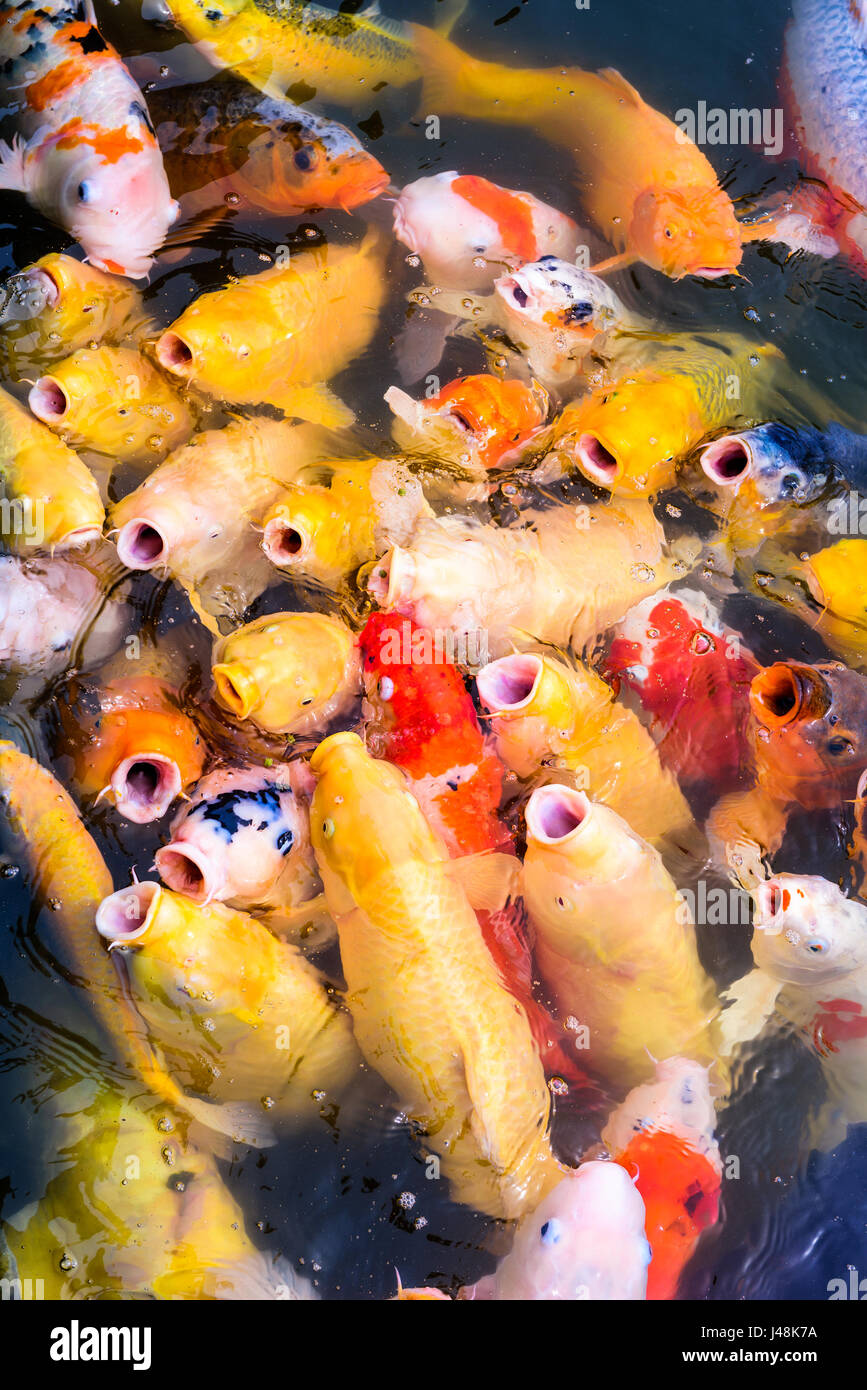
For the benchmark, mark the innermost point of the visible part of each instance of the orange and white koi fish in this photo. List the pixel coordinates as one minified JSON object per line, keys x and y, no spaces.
{"x":84,"y":152}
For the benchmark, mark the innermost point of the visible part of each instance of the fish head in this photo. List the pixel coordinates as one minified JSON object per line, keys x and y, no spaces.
{"x":226,"y":344}
{"x":686,"y":231}
{"x":806,"y":930}
{"x":303,"y":161}
{"x":767,"y":466}
{"x":835,"y":578}
{"x":460,"y":242}
{"x":809,"y":734}
{"x":533,"y":706}
{"x":176,"y":950}
{"x":478,"y":420}
{"x":110,"y":190}
{"x":586,"y":1240}
{"x":678,"y":1101}
{"x":364,"y":820}
{"x":626,"y":437}
{"x":560,"y":297}
{"x":306,"y":532}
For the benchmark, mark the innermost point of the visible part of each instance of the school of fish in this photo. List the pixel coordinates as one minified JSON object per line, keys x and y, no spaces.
{"x":411,"y":809}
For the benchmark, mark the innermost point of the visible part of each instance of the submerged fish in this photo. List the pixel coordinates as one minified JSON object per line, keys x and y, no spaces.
{"x":467,"y":230}
{"x":808,"y":743}
{"x":422,"y":719}
{"x":478,"y":422}
{"x":56,"y":611}
{"x":225,"y":138}
{"x":824,"y":83}
{"x":278,"y":336}
{"x":547,"y":714}
{"x":565,"y":577}
{"x":692,"y":674}
{"x":135,"y":1210}
{"x":240,"y":1013}
{"x":113,"y":401}
{"x":614,"y":939}
{"x":51,"y":499}
{"x":584,"y":1241}
{"x":647,"y":187}
{"x":298,"y":46}
{"x":324,"y":533}
{"x":84,"y":150}
{"x":289,"y":673}
{"x":663,"y":1135}
{"x":130,"y":741}
{"x":58,"y":305}
{"x":810,"y":951}
{"x":429,"y":1010}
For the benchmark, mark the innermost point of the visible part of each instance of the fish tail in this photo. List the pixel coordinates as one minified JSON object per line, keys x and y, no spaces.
{"x":12,"y":175}
{"x":455,"y":84}
{"x":448,"y":16}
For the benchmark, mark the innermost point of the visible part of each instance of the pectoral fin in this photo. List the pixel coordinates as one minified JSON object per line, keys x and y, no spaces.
{"x":315,"y":403}
{"x":488,"y":879}
{"x":12,"y":173}
{"x":753,"y":999}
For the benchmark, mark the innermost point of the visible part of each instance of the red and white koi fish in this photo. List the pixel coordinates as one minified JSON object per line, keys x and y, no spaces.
{"x":84,"y":150}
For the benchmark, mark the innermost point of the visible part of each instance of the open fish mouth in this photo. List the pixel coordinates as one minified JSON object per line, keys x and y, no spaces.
{"x":141,"y":545}
{"x":596,"y":461}
{"x":509,"y":684}
{"x":727,"y":461}
{"x":145,"y":785}
{"x":185,"y":869}
{"x":175,"y":354}
{"x":786,"y":692}
{"x":123,"y":918}
{"x":556,"y":813}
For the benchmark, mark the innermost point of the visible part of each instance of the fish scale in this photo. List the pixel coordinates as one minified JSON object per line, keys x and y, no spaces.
{"x":826,"y":70}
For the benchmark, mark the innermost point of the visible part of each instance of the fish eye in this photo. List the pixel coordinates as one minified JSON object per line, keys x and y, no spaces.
{"x":551,"y":1232}
{"x":85,"y":191}
{"x":305,"y":158}
{"x":839,"y":746}
{"x":669,"y":233}
{"x":818,"y":945}
{"x":578,"y":313}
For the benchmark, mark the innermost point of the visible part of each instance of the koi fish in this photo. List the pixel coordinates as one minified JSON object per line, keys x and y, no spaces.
{"x":823,"y":81}
{"x":238,"y":1012}
{"x":692,"y":674}
{"x":173,"y":1231}
{"x":565,"y":577}
{"x":84,"y":153}
{"x":547,"y":714}
{"x":289,"y":673}
{"x":614,"y":940}
{"x":304,"y":50}
{"x":478,"y":422}
{"x":808,"y":946}
{"x":131,"y":742}
{"x":224,"y":138}
{"x":58,"y":305}
{"x":646,"y":186}
{"x":422,"y":719}
{"x":192,"y":518}
{"x":467,"y":230}
{"x":113,"y":401}
{"x":54,"y":499}
{"x":429,"y":1009}
{"x":278,"y":336}
{"x":326,"y":532}
{"x":68,"y":869}
{"x":807,"y":738}
{"x":663,"y":1135}
{"x":584,"y":1241}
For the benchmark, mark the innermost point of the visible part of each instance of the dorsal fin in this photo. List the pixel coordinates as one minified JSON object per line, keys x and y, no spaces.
{"x":618,"y":81}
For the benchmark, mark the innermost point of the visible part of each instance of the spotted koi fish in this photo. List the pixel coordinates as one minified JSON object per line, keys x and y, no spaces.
{"x":83,"y":147}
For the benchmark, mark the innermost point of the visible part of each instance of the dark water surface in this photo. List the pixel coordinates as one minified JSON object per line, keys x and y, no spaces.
{"x":337,"y":1201}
